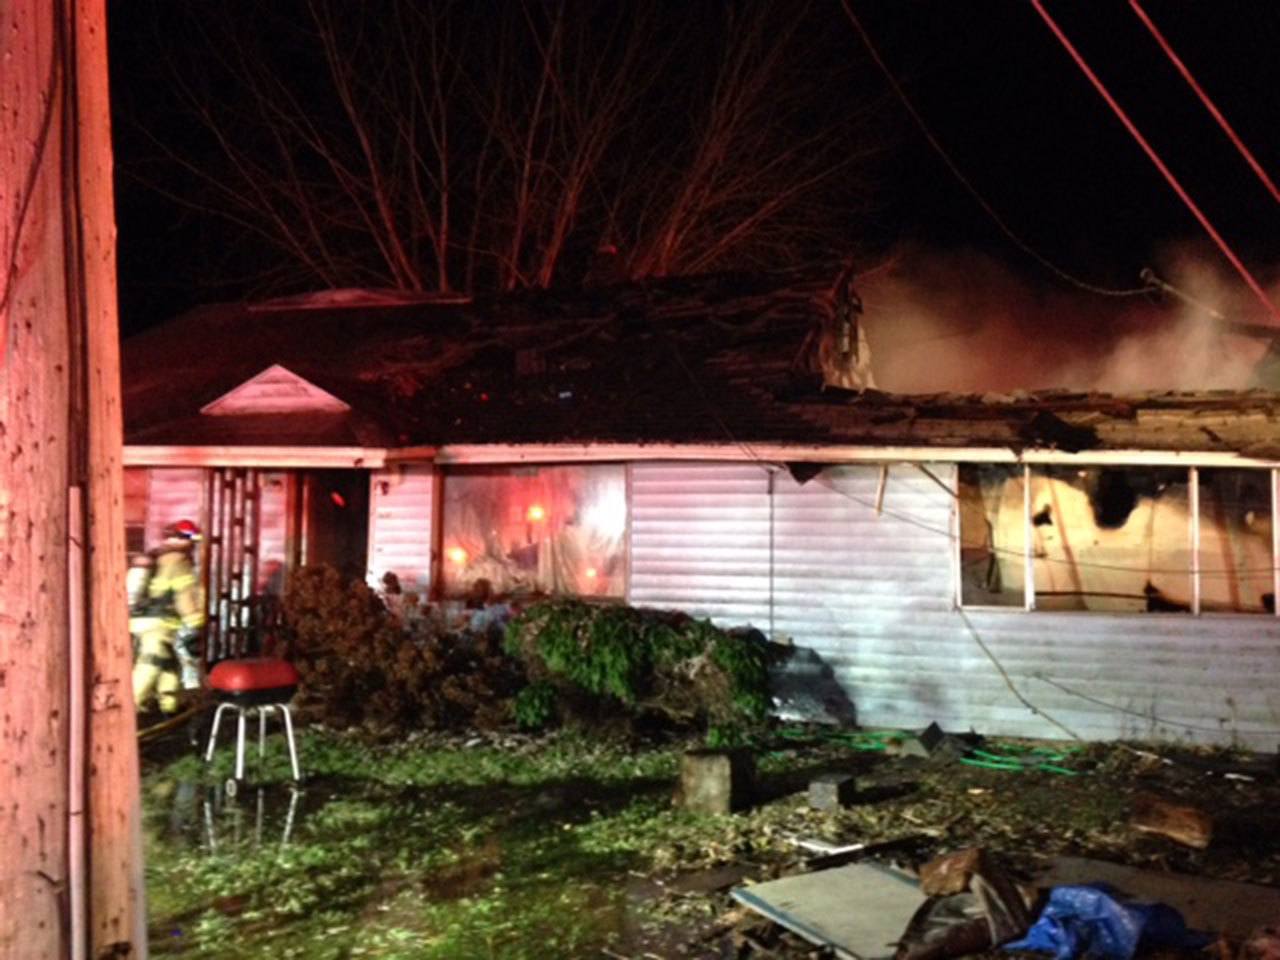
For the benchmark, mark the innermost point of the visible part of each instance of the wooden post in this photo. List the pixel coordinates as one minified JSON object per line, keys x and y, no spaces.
{"x":62,"y":601}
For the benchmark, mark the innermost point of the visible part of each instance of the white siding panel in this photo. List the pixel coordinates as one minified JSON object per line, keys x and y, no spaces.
{"x":273,"y":530}
{"x":401,"y":512}
{"x":865,"y":592}
{"x":173,"y":494}
{"x":867,"y":599}
{"x":700,"y":540}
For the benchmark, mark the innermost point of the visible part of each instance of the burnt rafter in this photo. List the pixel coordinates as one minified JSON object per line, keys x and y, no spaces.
{"x":1046,"y":429}
{"x":723,"y":358}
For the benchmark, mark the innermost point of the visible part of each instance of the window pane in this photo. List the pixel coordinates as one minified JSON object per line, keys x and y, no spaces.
{"x":1235,"y":541}
{"x":1111,"y":539}
{"x":992,"y":532}
{"x":554,"y":529}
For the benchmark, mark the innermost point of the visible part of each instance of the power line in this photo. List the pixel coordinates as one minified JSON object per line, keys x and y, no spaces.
{"x":1204,"y":98}
{"x":1020,"y":553}
{"x":924,"y":525}
{"x":1127,"y":711}
{"x":1155,"y":158}
{"x":968,"y":185}
{"x":1008,"y":681}
{"x":951,"y":538}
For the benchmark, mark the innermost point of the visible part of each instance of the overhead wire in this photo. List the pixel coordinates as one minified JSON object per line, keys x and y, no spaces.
{"x":1151,"y":153}
{"x":1062,"y":274}
{"x":927,"y":526}
{"x":1129,"y":711}
{"x":908,"y":519}
{"x":951,"y":537}
{"x":965,"y":182}
{"x":1205,"y":99}
{"x":1008,"y":681}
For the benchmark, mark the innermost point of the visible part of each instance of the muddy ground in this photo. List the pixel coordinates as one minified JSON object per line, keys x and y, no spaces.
{"x":502,"y":845}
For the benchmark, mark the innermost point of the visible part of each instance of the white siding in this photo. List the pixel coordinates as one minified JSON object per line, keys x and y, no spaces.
{"x":866,"y":592}
{"x":401,"y":510}
{"x":700,"y":540}
{"x":872,"y":597}
{"x":173,"y":494}
{"x":273,"y":527}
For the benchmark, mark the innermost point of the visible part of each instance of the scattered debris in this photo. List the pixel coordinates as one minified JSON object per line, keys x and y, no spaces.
{"x":716,"y":781}
{"x":1224,"y":906}
{"x":858,"y":910}
{"x":1096,"y":921}
{"x":942,"y":745}
{"x":831,"y":791}
{"x":1263,"y":944}
{"x":931,"y":743}
{"x":839,"y":856}
{"x":976,"y":872}
{"x":945,"y":927}
{"x":821,"y":846}
{"x":950,"y":873}
{"x":1183,"y":823}
{"x":711,"y":880}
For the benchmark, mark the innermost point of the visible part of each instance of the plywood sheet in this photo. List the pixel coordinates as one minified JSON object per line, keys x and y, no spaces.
{"x":860,"y":909}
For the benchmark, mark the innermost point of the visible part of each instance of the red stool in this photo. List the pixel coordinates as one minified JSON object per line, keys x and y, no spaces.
{"x":253,"y":686}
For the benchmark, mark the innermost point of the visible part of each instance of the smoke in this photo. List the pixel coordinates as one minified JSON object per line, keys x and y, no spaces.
{"x":962,"y":322}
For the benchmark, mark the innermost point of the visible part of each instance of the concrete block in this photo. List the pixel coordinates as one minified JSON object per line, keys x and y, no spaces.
{"x":716,"y":781}
{"x":832,"y":791}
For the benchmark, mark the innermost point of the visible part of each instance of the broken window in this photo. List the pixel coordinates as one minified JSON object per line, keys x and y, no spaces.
{"x":992,"y":534}
{"x":1120,"y":539}
{"x":548,"y":529}
{"x":1235,"y":541}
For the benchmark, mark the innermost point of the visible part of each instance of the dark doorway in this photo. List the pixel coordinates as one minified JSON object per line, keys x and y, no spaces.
{"x":335,"y":528}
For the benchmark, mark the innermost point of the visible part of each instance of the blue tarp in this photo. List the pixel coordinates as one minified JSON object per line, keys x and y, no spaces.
{"x":1092,"y":922}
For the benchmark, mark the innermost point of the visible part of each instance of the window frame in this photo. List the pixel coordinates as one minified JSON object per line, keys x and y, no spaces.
{"x":1196,"y":571}
{"x":445,"y":472}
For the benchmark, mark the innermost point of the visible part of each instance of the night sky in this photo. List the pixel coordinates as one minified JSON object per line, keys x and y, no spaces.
{"x":1020,"y":119}
{"x":995,"y":87}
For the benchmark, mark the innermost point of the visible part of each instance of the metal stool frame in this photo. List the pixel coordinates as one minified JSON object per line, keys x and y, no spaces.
{"x":262,"y":710}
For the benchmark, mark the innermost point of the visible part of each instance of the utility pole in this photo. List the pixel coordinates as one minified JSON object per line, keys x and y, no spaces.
{"x":70,"y":850}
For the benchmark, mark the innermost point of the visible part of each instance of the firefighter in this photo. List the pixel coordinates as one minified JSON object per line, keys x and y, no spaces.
{"x":167,"y":622}
{"x":141,"y":567}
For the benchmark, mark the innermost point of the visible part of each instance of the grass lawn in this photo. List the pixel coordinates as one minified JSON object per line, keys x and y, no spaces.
{"x":569,"y":846}
{"x":508,"y":848}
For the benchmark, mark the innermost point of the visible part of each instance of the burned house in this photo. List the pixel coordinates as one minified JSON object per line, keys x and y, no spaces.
{"x":1021,"y":564}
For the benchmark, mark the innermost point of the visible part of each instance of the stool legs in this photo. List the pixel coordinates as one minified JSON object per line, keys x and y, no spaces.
{"x":293,"y":749}
{"x":241,"y":719}
{"x":213,"y":731}
{"x":240,"y":745}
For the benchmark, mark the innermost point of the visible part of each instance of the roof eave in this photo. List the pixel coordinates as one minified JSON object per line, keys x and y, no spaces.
{"x":144,"y":455}
{"x":136,"y":455}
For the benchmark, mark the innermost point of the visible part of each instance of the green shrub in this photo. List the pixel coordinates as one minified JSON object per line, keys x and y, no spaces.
{"x":361,"y":665}
{"x":686,"y":671}
{"x":535,"y":706}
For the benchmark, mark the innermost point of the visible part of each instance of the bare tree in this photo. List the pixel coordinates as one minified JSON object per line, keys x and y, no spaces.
{"x":475,"y":146}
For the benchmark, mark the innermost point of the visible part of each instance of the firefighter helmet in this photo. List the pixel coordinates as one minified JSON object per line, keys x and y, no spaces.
{"x":182,"y":530}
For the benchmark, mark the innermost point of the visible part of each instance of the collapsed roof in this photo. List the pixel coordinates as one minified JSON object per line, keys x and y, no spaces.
{"x":712,"y":359}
